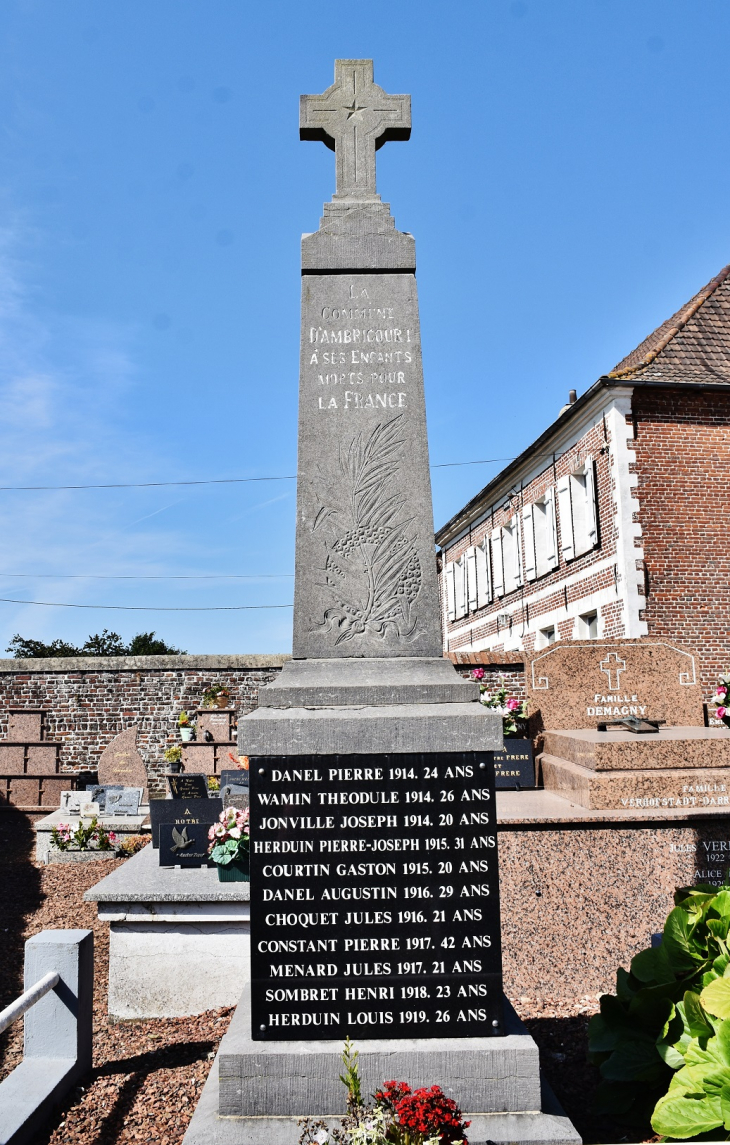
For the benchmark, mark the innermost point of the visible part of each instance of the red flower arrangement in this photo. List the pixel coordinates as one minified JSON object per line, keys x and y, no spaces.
{"x":428,"y":1112}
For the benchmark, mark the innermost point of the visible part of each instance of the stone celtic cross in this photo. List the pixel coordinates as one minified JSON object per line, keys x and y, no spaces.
{"x":613,"y":666}
{"x":354,"y":118}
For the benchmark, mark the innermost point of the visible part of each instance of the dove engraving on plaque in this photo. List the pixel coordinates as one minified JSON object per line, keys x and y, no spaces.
{"x":181,"y":840}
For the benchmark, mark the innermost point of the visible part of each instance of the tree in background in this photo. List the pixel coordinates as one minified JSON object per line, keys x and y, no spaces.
{"x":103,"y":643}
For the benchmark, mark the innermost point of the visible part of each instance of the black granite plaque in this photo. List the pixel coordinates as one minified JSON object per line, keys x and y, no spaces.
{"x":188,"y":786}
{"x":235,"y":795}
{"x":184,"y":845}
{"x":236,"y":776}
{"x":375,"y":897}
{"x":179,"y":811}
{"x":514,"y":766}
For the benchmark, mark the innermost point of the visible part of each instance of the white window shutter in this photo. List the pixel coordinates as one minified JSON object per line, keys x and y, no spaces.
{"x":450,"y":594}
{"x":528,"y":531}
{"x":519,"y":564}
{"x":484,"y":579}
{"x":551,"y":555}
{"x":471,"y":577}
{"x":460,"y":587}
{"x":497,"y":563}
{"x":566,"y":518}
{"x":591,"y":509}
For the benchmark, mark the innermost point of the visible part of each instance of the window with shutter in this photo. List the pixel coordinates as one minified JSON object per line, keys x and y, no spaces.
{"x":583,"y":500}
{"x":460,"y":587}
{"x":450,"y":593}
{"x":484,"y":580}
{"x":565,"y":509}
{"x":497,"y":563}
{"x":511,"y":555}
{"x":546,"y":545}
{"x":529,"y":533}
{"x":471,"y":578}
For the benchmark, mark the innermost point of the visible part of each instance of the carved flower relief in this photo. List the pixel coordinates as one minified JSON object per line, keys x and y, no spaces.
{"x":371,"y":565}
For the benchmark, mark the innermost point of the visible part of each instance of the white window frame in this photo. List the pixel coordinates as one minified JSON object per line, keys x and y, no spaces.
{"x":541,"y":639}
{"x":583,"y":624}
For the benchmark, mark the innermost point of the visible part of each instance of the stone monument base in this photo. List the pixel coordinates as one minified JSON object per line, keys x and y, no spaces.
{"x":257,"y":1091}
{"x":676,"y":767}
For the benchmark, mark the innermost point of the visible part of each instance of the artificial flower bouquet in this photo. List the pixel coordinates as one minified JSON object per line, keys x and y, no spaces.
{"x":95,"y":837}
{"x":229,"y":845}
{"x":509,"y":707}
{"x":721,"y":700}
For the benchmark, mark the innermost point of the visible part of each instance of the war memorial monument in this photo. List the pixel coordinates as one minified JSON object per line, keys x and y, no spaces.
{"x":374,"y":879}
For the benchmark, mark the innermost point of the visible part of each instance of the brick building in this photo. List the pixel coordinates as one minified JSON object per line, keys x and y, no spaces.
{"x":612,"y":523}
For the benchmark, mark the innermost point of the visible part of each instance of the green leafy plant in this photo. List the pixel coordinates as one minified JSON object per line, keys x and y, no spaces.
{"x":173,"y":754}
{"x":183,"y":720}
{"x":639,"y":1038}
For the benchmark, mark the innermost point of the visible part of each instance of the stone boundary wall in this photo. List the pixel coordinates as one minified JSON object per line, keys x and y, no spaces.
{"x":88,"y":700}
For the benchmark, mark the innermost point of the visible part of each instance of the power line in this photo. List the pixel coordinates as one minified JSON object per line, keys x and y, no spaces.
{"x":205,"y":576}
{"x":146,"y":608}
{"x":211,"y":481}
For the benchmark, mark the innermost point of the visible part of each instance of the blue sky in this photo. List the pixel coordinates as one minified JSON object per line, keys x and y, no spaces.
{"x":566,"y":181}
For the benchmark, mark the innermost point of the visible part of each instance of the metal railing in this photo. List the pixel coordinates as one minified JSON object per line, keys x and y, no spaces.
{"x":22,"y":1004}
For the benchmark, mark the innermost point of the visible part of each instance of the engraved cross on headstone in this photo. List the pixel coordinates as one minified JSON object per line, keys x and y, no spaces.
{"x":354,"y":118}
{"x":613,"y":666}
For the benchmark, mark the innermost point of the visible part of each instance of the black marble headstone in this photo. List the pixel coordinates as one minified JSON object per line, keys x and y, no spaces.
{"x":184,"y":845}
{"x":238,"y":777}
{"x":188,"y":786}
{"x":515,"y":766}
{"x":181,"y":811}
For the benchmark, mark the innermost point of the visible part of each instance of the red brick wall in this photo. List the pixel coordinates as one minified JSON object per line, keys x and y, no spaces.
{"x":85,"y":710}
{"x":683,"y":465}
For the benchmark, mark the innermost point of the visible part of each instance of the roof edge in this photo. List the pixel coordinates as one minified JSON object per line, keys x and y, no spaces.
{"x":683,"y":318}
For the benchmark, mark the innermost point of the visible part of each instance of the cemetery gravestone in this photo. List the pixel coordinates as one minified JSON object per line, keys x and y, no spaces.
{"x":236,"y":778}
{"x":124,"y":801}
{"x":179,"y":812}
{"x":575,"y":685}
{"x":514,"y":766}
{"x":98,"y":793}
{"x":188,"y":786}
{"x":71,"y":801}
{"x":121,"y":764}
{"x":184,"y":844}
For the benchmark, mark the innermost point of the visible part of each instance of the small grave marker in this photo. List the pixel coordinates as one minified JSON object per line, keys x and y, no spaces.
{"x":184,"y":844}
{"x":188,"y":786}
{"x":181,"y":811}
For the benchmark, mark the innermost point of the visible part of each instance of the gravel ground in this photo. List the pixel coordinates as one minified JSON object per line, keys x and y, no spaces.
{"x":147,"y":1075}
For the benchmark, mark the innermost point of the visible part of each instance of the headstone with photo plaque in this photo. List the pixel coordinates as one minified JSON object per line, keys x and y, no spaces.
{"x":98,"y":793}
{"x":374,"y":876}
{"x":123,"y":801}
